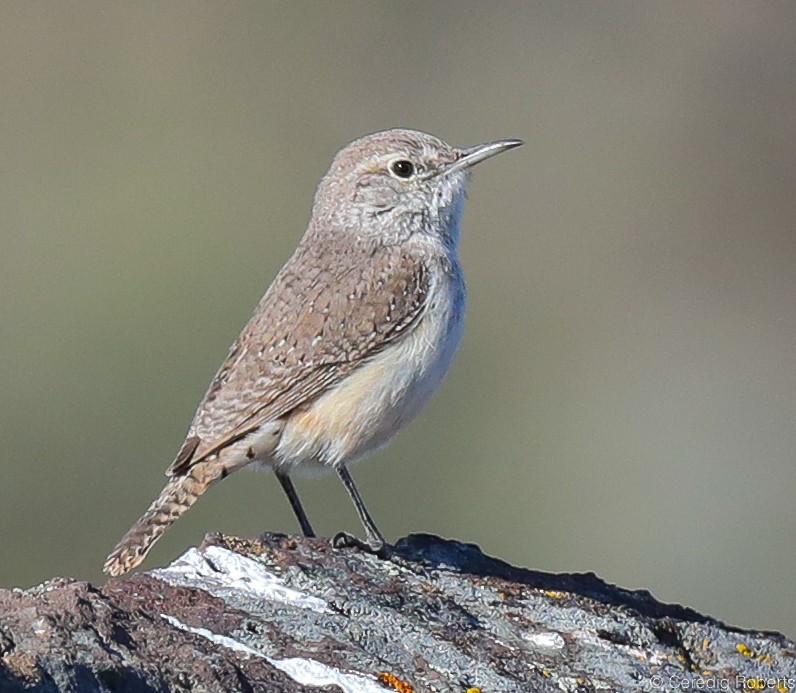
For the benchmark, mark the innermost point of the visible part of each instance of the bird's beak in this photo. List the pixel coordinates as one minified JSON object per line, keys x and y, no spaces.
{"x":475,"y":155}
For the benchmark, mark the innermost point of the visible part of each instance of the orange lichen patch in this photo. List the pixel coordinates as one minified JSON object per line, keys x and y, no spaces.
{"x":473,"y":690}
{"x":393,"y":681}
{"x":555,"y":595}
{"x":747,"y":652}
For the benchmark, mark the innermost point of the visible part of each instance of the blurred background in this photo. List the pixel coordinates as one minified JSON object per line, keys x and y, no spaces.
{"x":624,"y":400}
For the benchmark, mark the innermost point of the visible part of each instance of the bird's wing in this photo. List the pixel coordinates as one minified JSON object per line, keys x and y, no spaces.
{"x":317,"y":322}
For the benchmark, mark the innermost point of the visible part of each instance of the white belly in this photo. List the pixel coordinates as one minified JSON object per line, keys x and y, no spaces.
{"x":381,"y":396}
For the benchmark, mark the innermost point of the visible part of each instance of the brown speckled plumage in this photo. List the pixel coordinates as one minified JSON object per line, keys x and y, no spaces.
{"x":317,"y":321}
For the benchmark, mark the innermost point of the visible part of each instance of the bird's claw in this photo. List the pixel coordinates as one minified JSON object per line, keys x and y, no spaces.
{"x":344,"y":540}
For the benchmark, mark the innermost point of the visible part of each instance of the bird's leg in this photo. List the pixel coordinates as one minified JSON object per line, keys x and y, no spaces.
{"x":295,"y":503}
{"x":375,"y":540}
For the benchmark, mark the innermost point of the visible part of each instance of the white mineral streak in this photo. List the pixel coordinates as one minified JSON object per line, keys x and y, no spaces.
{"x":222,"y":573}
{"x":550,"y":641}
{"x":307,"y":672}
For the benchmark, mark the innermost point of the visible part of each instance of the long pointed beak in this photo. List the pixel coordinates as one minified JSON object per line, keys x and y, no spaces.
{"x":482,"y":152}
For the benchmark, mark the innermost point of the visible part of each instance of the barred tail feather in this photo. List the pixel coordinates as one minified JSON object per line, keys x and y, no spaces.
{"x":177,"y":496}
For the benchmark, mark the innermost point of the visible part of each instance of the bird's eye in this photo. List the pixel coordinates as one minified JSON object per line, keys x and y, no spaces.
{"x":402,"y":168}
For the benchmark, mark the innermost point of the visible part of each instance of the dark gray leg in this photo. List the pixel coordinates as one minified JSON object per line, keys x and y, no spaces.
{"x":375,"y":540}
{"x":295,"y":503}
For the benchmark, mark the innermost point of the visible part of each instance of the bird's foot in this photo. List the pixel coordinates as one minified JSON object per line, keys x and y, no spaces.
{"x":344,"y":540}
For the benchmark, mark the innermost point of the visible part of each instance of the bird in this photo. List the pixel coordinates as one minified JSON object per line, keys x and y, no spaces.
{"x":348,"y":343}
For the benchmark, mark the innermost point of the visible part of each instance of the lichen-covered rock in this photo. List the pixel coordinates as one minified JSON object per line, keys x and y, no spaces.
{"x":288,"y":614}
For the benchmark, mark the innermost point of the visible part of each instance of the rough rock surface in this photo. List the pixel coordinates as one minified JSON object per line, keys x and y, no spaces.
{"x":287,"y":614}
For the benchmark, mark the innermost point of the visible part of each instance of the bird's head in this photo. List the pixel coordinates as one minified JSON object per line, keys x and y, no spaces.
{"x":392,"y":184}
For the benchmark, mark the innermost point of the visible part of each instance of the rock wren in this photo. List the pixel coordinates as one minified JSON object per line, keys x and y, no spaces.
{"x":348,"y":343}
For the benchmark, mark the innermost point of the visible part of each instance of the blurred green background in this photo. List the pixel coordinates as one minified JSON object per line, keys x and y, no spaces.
{"x":625,"y":397}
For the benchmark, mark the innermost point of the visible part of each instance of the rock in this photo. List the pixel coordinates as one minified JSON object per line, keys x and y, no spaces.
{"x":282,"y":613}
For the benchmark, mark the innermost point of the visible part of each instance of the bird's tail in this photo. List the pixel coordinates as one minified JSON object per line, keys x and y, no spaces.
{"x":179,"y":494}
